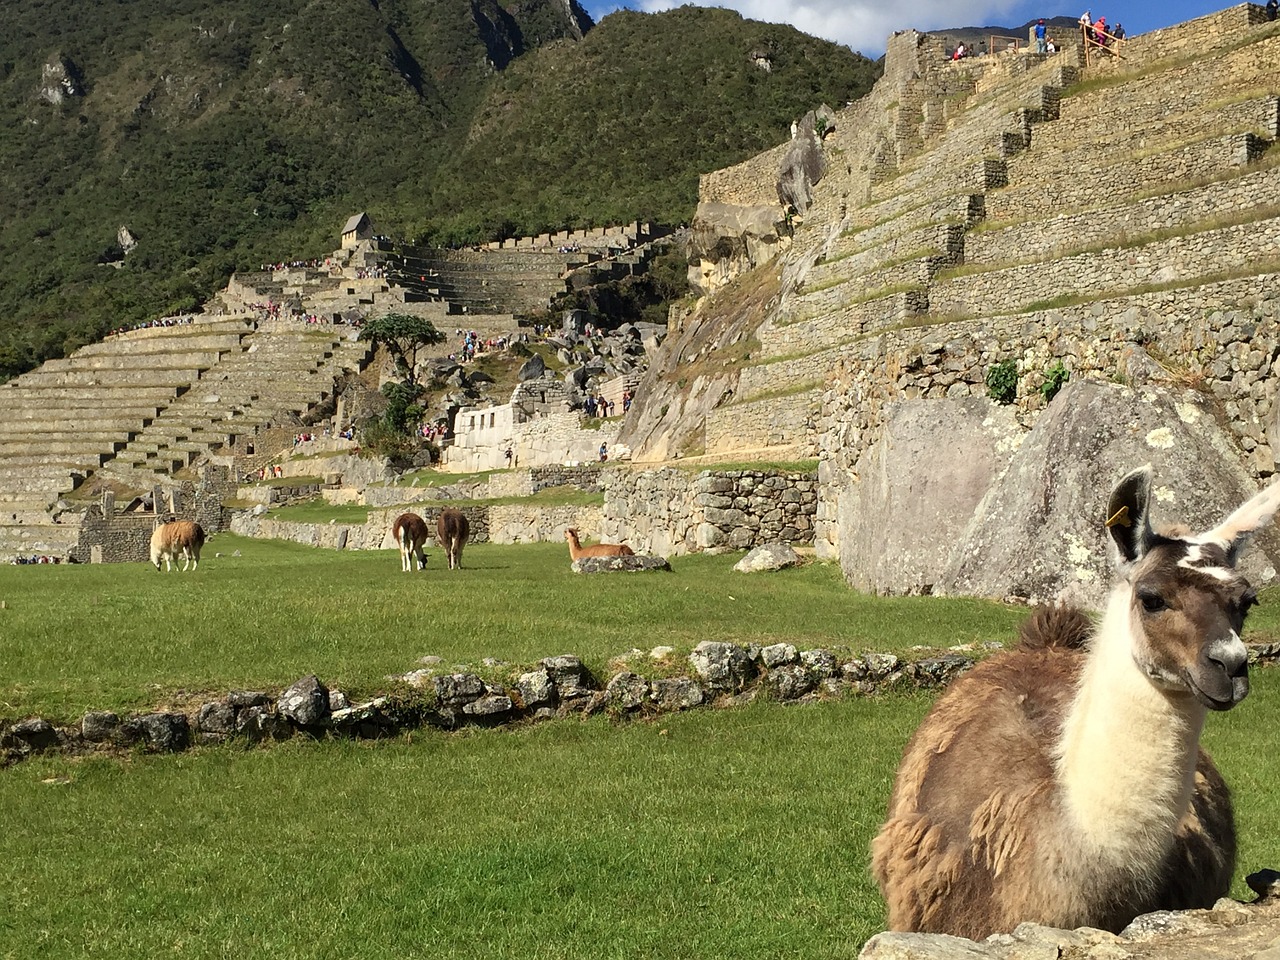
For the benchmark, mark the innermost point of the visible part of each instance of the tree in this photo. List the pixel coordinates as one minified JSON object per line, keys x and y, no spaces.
{"x":403,"y":336}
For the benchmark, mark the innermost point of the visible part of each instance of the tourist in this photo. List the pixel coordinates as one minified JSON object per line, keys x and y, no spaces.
{"x":960,"y":53}
{"x":604,"y":452}
{"x":1271,"y":9}
{"x":1050,"y":46}
{"x":1042,"y":45}
{"x":1100,"y":31}
{"x":1118,"y":32}
{"x":1086,"y":26}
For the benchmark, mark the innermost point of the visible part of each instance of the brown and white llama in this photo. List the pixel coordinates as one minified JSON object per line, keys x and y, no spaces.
{"x":577,"y":551}
{"x":410,"y":534}
{"x":1062,"y":782}
{"x":177,"y":538}
{"x":452,"y":530}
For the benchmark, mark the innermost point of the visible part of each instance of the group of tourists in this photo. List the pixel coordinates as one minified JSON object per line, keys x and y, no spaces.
{"x":598,"y":406}
{"x":1097,"y":31}
{"x":23,"y":561}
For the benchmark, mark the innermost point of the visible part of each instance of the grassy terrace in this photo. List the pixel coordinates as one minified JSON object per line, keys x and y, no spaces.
{"x":711,"y":834}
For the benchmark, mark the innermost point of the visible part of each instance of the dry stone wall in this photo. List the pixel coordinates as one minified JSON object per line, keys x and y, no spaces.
{"x":670,"y":512}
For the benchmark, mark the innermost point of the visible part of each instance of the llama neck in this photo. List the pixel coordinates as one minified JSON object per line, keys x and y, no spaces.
{"x":1128,"y":753}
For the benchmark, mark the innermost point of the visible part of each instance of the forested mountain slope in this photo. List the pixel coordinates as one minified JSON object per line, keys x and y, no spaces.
{"x":230,"y":134}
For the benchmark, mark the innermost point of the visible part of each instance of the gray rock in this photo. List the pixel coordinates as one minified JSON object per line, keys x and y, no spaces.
{"x":937,"y":671}
{"x":803,"y":165}
{"x":162,"y":732}
{"x":766,"y":557}
{"x":854,"y":670}
{"x":248,"y":698}
{"x":455,"y":690}
{"x":337,"y":701}
{"x":261,"y":723}
{"x":917,"y":489}
{"x":723,"y":667}
{"x":776,"y":654}
{"x":570,"y":676}
{"x":821,"y":663}
{"x":33,"y":734}
{"x":306,"y":702}
{"x":218,"y":717}
{"x":536,"y":690}
{"x":532,"y":369}
{"x":677,"y":693}
{"x":636,"y":564}
{"x":1058,"y":481}
{"x":881,"y":666}
{"x":99,"y":726}
{"x":490,"y":705}
{"x":922,"y":946}
{"x":626,"y":691}
{"x":790,"y":682}
{"x":1265,"y":883}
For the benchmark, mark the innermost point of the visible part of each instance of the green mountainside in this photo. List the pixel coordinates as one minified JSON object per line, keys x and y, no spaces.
{"x":224,"y":135}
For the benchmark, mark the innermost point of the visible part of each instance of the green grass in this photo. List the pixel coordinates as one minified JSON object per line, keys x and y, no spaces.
{"x":740,"y":833}
{"x":713,"y":834}
{"x":127,"y":637}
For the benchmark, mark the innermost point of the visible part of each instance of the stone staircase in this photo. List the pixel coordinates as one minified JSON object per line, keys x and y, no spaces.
{"x":1027,"y":211}
{"x":486,"y":282}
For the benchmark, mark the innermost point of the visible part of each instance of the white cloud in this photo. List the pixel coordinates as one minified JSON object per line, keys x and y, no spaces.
{"x":861,"y":24}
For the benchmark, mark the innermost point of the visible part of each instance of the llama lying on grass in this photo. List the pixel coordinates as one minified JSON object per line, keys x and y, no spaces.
{"x":577,"y":551}
{"x":410,"y":534}
{"x":1062,"y":782}
{"x":178,"y":538}
{"x":452,"y":530}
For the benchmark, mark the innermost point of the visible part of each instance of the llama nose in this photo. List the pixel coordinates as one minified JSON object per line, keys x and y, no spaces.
{"x":1230,"y":656}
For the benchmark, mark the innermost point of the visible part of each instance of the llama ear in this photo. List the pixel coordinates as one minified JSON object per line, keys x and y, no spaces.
{"x":1127,"y":517}
{"x":1235,"y":532}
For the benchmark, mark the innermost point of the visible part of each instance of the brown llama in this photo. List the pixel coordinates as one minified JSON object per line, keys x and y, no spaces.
{"x":410,"y":534}
{"x":1063,"y":782}
{"x":577,"y":551}
{"x":452,"y":530}
{"x":177,"y":538}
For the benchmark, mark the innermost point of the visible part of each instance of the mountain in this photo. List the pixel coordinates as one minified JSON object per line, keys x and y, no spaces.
{"x":152,"y":147}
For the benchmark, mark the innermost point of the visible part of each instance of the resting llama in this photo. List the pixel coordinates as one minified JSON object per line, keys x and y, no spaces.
{"x":178,"y":538}
{"x":577,"y":551}
{"x":410,"y":534}
{"x":452,"y":530}
{"x":1063,"y":782}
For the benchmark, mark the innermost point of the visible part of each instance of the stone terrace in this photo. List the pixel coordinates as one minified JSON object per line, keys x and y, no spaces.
{"x":64,"y":420}
{"x":963,"y":200}
{"x":283,"y":370}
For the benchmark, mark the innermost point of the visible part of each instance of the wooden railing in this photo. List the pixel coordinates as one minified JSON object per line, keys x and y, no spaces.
{"x":1098,"y":43}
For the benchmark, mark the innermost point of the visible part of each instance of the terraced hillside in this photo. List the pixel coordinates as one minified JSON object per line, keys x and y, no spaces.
{"x":1118,"y":221}
{"x":142,"y":404}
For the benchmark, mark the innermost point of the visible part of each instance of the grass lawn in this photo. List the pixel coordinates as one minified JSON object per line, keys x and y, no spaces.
{"x":121,"y":636}
{"x":737,"y":833}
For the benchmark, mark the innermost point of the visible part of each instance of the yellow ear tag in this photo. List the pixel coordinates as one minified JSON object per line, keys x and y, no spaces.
{"x":1120,"y":518}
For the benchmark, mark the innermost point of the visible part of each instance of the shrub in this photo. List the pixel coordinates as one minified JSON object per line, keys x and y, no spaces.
{"x":1054,"y":379}
{"x":1002,"y":381}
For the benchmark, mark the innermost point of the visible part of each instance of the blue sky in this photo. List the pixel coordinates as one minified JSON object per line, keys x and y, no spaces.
{"x":865,"y":24}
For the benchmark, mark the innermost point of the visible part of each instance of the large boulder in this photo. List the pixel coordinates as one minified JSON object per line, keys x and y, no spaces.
{"x":1039,"y":533}
{"x":804,"y":163}
{"x":917,"y":489}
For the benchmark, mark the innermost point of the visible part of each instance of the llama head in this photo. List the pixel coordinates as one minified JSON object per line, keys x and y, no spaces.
{"x":1187,"y":602}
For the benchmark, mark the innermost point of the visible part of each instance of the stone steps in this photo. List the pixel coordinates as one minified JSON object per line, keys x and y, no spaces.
{"x":169,"y":378}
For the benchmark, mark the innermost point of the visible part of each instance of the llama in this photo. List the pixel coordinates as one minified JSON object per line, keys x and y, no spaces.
{"x":452,"y":530}
{"x":410,"y":534}
{"x":577,"y":551}
{"x":1062,"y":782}
{"x":177,"y":538}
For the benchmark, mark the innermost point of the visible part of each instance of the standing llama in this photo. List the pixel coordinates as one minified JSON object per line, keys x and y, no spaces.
{"x":410,"y":534}
{"x":1062,"y":782}
{"x":452,"y":530}
{"x":177,"y":538}
{"x":577,"y":551}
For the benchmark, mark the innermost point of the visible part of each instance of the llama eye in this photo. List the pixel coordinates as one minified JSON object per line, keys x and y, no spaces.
{"x":1152,"y":602}
{"x":1248,"y":602}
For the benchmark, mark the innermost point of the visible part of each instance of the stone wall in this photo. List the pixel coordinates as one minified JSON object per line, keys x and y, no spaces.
{"x":669,"y":512}
{"x":751,"y":183}
{"x":516,"y":523}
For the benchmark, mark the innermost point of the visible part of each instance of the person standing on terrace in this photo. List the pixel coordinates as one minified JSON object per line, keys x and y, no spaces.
{"x":1041,"y":35}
